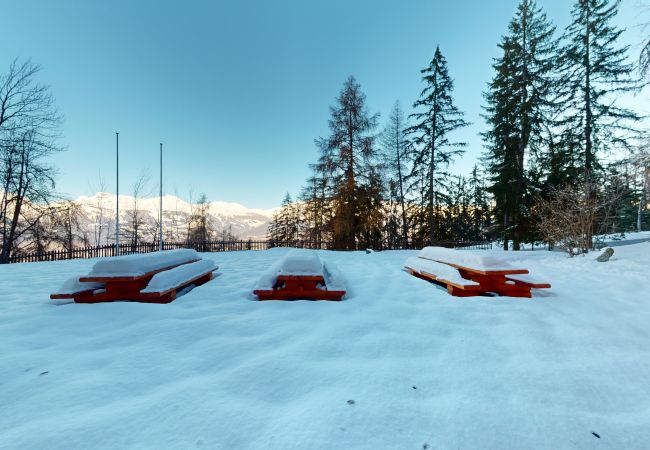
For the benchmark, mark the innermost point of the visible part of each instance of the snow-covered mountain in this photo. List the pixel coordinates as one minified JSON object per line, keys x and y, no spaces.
{"x":241,"y":221}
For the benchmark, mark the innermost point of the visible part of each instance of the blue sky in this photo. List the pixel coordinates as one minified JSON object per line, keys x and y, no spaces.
{"x":237,"y":91}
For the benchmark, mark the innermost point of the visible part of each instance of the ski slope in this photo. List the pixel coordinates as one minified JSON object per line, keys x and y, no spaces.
{"x":398,"y":365}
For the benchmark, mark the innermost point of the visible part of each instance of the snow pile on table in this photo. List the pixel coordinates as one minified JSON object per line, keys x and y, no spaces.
{"x":440,"y":270}
{"x":399,"y":365}
{"x":302,"y":262}
{"x":178,"y":276}
{"x":73,"y":286}
{"x":334,"y":279}
{"x":140,"y":264}
{"x":268,"y":278}
{"x":474,"y":259}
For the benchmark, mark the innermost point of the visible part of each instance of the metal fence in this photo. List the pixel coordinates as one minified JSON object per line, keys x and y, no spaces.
{"x":102,"y":251}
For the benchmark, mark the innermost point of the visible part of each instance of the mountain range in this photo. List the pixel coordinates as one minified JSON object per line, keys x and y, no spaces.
{"x":99,"y":210}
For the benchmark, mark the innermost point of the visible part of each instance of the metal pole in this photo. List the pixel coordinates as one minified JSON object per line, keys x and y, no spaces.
{"x":161,"y":201}
{"x":117,"y":189}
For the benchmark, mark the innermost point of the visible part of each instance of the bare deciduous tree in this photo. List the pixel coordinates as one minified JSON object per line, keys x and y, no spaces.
{"x":29,"y":125}
{"x":100,"y":212}
{"x":135,"y":216}
{"x":200,"y":227}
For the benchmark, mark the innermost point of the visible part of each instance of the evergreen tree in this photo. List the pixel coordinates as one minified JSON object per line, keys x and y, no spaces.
{"x":273,"y":229}
{"x":594,"y":70}
{"x":480,"y":206}
{"x":518,"y":112}
{"x":432,"y":149}
{"x":347,"y":158}
{"x":316,"y":209}
{"x":458,"y":218}
{"x":372,"y":210}
{"x":394,"y":145}
{"x":285,"y":224}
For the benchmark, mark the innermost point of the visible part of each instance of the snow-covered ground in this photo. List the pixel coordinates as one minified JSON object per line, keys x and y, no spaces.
{"x":398,"y":365}
{"x":616,"y":240}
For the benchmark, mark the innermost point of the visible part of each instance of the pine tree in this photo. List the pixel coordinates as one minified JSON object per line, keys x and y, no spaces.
{"x":394,"y":145}
{"x":372,"y":211}
{"x":432,"y":149}
{"x":273,"y":230}
{"x":480,"y":207}
{"x":594,"y":71}
{"x":347,"y":159}
{"x":286,"y":223}
{"x":317,"y":211}
{"x":518,"y":112}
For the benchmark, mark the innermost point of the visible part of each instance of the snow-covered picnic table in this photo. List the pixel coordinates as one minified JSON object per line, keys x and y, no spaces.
{"x":301,"y":275}
{"x":466,"y":274}
{"x":151,"y":277}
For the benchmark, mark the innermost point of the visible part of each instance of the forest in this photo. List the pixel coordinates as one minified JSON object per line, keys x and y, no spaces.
{"x":563,"y":161}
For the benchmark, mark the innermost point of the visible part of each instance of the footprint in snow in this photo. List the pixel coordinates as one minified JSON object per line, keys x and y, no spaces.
{"x":351,"y":402}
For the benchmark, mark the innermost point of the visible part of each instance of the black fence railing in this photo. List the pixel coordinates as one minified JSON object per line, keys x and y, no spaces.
{"x":102,"y":251}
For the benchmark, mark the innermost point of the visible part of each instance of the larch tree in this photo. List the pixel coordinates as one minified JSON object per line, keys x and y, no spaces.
{"x":347,"y":157}
{"x":432,"y":148}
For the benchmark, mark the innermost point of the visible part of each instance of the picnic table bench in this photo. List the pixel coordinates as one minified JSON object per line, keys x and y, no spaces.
{"x":466,"y":274}
{"x":300,"y":275}
{"x":153,"y":278}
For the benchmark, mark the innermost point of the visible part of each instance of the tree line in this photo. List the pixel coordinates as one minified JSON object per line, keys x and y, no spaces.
{"x":560,"y":149}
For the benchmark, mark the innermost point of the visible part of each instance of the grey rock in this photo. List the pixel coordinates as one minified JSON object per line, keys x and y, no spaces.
{"x":604,"y":257}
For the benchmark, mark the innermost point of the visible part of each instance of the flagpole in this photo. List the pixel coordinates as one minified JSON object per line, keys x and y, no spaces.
{"x":117,"y":189}
{"x":161,"y":200}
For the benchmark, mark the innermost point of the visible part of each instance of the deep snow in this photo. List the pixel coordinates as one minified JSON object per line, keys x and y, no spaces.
{"x":399,"y":364}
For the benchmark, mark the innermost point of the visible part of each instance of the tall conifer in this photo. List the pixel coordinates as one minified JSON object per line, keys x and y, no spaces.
{"x":436,"y":117}
{"x":518,"y":112}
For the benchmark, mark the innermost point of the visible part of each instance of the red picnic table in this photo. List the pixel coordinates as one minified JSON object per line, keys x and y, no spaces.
{"x":150,"y":278}
{"x":299,"y":275}
{"x":294,"y":287}
{"x":467,"y":276}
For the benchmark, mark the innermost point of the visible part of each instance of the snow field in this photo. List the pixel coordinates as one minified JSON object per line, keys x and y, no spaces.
{"x":399,"y":364}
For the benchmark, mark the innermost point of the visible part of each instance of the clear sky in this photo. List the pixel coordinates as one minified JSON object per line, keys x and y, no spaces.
{"x":238,"y":90}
